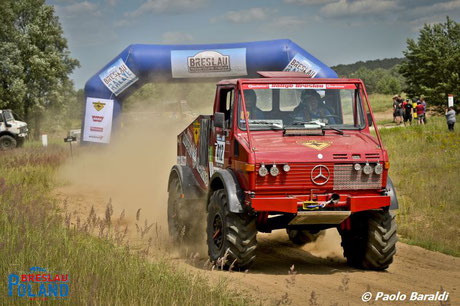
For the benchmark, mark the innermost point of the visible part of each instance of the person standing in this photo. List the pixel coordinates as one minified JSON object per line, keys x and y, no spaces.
{"x":424,"y":108}
{"x":420,"y":111}
{"x":407,"y":112}
{"x":450,"y":117}
{"x":414,"y":108}
{"x":395,"y":103}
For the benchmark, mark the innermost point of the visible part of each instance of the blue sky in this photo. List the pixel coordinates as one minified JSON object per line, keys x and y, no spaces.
{"x":334,"y":31}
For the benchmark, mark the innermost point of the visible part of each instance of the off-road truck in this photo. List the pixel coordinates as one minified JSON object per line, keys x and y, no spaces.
{"x":12,"y":132}
{"x":285,"y":151}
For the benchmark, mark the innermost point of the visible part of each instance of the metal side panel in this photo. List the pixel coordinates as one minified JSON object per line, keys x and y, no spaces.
{"x":320,"y":217}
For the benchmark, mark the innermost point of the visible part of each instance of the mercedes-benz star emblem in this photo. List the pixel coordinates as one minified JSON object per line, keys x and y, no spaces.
{"x":320,"y":175}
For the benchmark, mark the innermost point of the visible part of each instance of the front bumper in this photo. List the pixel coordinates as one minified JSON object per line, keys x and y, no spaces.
{"x":294,"y":204}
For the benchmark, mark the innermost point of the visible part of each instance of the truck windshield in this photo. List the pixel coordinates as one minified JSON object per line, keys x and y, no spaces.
{"x":8,"y":116}
{"x":302,"y":106}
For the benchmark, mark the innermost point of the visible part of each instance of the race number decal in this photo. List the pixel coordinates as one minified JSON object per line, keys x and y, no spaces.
{"x":220,"y":150}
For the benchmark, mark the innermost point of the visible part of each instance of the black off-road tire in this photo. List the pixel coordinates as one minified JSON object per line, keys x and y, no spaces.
{"x":230,"y":236}
{"x":7,"y":142}
{"x":185,"y":217}
{"x":371,"y":242}
{"x":302,"y":237}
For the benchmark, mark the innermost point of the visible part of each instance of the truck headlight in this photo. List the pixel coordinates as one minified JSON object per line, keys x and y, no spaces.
{"x":378,"y":169}
{"x":262,"y":170}
{"x":274,"y":171}
{"x":367,"y":169}
{"x":286,"y":168}
{"x":357,"y":167}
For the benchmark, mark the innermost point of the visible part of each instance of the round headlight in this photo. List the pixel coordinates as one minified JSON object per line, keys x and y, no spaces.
{"x":262,"y":170}
{"x":286,"y":168}
{"x":367,"y":169}
{"x":378,"y":169}
{"x":357,"y":167}
{"x":274,"y":171}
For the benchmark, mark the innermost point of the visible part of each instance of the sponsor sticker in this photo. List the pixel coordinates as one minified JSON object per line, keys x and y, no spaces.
{"x":220,"y":150}
{"x":299,"y":86}
{"x":190,"y":148}
{"x":315,"y":144}
{"x":208,"y":63}
{"x":96,"y":129}
{"x":98,"y":105}
{"x":97,"y":118}
{"x":301,"y":64}
{"x":196,"y":131}
{"x":118,"y":77}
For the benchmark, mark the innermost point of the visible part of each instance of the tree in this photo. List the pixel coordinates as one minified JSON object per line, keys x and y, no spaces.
{"x":36,"y":62}
{"x":432,"y":65}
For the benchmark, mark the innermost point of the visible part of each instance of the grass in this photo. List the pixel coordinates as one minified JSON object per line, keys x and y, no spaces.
{"x":380,"y":102}
{"x":34,"y":233}
{"x":425,"y":169}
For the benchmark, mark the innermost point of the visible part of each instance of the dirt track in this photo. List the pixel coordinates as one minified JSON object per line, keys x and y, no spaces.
{"x":321,"y":274}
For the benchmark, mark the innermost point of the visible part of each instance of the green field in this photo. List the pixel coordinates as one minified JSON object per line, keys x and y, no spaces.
{"x":102,"y":270}
{"x":425,"y":167}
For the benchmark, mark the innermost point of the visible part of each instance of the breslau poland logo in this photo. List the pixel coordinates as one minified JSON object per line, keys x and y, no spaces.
{"x":38,"y":284}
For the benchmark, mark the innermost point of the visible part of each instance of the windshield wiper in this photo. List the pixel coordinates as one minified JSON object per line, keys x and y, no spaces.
{"x":333,"y":128}
{"x":317,"y":122}
{"x":272,"y":124}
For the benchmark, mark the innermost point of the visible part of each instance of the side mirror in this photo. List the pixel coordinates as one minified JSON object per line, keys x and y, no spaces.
{"x":219,"y":120}
{"x":369,"y":119}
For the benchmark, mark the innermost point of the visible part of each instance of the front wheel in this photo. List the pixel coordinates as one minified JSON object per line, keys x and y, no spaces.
{"x":231,"y":237}
{"x":7,"y":142}
{"x":371,"y":242}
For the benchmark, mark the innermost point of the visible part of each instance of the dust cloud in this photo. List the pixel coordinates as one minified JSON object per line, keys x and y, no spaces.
{"x":132,"y":171}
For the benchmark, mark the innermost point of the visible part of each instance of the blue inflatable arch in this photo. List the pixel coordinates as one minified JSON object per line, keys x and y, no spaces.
{"x":140,"y":64}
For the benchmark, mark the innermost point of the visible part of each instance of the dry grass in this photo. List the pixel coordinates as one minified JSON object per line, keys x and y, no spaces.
{"x":108,"y":269}
{"x":425,"y":168}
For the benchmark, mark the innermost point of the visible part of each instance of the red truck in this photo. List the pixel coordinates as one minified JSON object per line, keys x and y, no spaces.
{"x":284,"y":151}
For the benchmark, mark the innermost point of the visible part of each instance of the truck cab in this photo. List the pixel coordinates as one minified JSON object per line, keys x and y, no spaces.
{"x":12,"y":132}
{"x":287,"y":152}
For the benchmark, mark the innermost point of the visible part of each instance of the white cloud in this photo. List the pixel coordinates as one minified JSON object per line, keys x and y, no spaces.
{"x":112,"y":2}
{"x":358,"y":7}
{"x":176,"y":38}
{"x":245,"y":16}
{"x":169,"y":6}
{"x":437,"y":8}
{"x":78,"y":8}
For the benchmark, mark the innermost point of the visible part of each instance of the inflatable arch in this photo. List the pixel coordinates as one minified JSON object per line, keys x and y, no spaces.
{"x":140,"y":64}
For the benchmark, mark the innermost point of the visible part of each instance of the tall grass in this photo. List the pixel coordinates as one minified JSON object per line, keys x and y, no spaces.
{"x":34,"y":233}
{"x":380,"y":102}
{"x":425,"y":167}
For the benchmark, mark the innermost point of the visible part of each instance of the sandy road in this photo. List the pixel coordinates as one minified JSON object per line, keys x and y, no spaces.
{"x":321,"y":274}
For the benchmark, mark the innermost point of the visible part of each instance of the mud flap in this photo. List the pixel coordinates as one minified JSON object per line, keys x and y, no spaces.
{"x":233,"y":191}
{"x":391,"y":191}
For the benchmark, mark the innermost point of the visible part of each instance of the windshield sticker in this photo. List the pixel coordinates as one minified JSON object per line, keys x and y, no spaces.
{"x":118,"y":77}
{"x":301,"y":64}
{"x":315,"y":144}
{"x":299,"y":86}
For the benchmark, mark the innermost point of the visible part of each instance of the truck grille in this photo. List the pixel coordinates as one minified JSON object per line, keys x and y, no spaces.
{"x":346,"y":178}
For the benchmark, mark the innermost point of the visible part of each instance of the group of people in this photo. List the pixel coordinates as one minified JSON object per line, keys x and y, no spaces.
{"x":405,"y":110}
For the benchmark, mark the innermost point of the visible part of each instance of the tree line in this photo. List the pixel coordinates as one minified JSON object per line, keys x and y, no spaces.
{"x":36,"y":65}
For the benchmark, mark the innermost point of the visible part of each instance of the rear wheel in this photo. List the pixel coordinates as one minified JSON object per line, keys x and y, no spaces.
{"x":7,"y":142}
{"x":231,"y":237}
{"x":371,"y":242}
{"x":302,"y":237}
{"x":184,"y":216}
